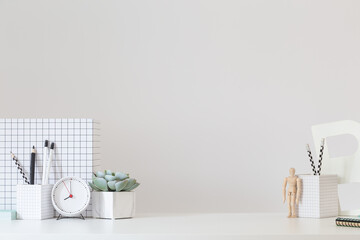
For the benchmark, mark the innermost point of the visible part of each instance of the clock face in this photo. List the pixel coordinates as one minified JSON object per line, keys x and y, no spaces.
{"x":70,"y":196}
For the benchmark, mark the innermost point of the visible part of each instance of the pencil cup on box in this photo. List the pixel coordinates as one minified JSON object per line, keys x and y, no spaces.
{"x":319,"y":196}
{"x":34,"y":202}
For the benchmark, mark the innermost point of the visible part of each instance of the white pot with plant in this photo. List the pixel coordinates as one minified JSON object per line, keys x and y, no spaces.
{"x":113,"y":196}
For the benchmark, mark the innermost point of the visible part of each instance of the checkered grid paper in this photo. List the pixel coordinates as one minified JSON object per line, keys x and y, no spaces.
{"x":73,"y":156}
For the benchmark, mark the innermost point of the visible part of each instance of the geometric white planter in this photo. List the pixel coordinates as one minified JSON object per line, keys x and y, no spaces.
{"x":113,"y":205}
{"x":34,"y":202}
{"x":319,"y":196}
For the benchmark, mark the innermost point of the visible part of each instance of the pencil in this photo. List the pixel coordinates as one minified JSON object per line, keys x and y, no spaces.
{"x":311,"y":158}
{"x":321,"y":155}
{"x":32,"y":166}
{"x":16,"y":161}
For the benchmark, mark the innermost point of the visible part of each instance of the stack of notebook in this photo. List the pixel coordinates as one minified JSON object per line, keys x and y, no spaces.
{"x":348,"y":222}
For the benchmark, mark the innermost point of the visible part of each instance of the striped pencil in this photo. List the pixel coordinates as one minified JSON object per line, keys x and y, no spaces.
{"x":321,"y":155}
{"x":14,"y":158}
{"x":311,"y":158}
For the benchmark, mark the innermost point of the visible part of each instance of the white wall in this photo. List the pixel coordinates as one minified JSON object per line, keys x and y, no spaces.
{"x":207,"y":103}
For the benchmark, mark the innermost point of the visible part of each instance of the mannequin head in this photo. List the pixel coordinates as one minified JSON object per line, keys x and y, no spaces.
{"x":292,"y":172}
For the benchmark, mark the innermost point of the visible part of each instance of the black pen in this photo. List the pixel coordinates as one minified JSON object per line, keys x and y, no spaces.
{"x":32,"y":165}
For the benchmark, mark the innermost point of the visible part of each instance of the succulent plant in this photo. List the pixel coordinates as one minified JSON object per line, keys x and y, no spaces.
{"x":109,"y":181}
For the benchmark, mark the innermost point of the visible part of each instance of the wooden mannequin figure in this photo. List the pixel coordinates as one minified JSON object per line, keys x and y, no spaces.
{"x":293,"y":193}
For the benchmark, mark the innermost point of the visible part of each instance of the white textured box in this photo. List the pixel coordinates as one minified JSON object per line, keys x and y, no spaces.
{"x":319,"y":196}
{"x":34,"y":202}
{"x":113,"y":205}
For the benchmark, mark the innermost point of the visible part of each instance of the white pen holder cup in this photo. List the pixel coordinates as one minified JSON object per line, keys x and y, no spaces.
{"x":319,"y":196}
{"x":34,"y":202}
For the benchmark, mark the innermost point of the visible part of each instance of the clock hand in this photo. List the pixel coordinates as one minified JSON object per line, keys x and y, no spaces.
{"x":70,"y":196}
{"x":66,"y":188}
{"x":70,"y":186}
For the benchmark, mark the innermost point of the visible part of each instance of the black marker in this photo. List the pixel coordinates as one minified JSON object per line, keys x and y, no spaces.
{"x":45,"y":156}
{"x":48,"y":166}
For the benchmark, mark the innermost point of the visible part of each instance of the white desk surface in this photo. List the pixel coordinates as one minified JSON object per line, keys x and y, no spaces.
{"x":180,"y":226}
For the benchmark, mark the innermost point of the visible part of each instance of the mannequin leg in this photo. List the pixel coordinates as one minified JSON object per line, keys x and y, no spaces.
{"x":289,"y":204}
{"x":293,"y":215}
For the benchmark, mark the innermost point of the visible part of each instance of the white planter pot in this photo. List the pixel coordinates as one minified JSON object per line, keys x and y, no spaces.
{"x":113,"y":205}
{"x":319,"y":196}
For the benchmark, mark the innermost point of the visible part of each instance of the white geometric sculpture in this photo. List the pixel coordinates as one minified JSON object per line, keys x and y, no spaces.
{"x":346,"y":167}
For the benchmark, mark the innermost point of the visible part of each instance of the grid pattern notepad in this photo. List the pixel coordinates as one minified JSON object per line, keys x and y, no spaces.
{"x":73,"y":156}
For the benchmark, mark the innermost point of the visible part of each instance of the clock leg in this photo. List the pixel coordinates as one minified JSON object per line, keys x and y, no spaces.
{"x":61,"y":217}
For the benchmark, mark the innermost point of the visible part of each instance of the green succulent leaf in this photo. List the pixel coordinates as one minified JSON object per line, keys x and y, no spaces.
{"x":95,"y":188}
{"x":100,"y":174}
{"x":111,"y":185}
{"x":121,"y":176}
{"x":134,"y":186}
{"x":101,"y":184}
{"x":131,"y":182}
{"x":110,"y":177}
{"x":112,"y":181}
{"x":120,"y":185}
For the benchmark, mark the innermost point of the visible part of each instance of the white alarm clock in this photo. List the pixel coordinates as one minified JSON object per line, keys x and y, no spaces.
{"x":70,"y":197}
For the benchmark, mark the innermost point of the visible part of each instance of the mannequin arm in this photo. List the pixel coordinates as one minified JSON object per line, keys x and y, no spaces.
{"x":284,"y":190}
{"x":298,"y":190}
